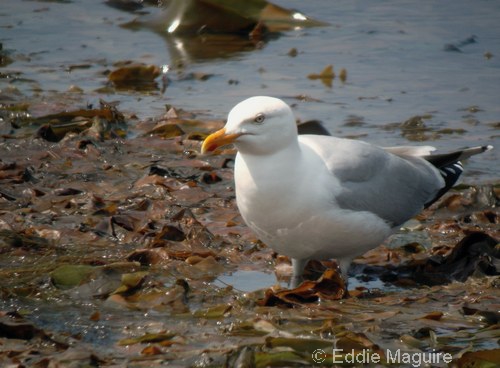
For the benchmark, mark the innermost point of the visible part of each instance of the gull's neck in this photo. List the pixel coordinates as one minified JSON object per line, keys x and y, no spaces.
{"x":286,"y":153}
{"x":275,"y":168}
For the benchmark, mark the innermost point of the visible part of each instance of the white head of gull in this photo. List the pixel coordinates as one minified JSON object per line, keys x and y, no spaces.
{"x":320,"y":197}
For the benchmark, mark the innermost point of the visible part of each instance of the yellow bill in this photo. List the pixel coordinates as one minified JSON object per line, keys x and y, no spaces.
{"x":217,"y":139}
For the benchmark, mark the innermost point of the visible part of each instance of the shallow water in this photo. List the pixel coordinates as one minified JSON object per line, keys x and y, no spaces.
{"x":249,"y":281}
{"x":246,"y":281}
{"x":394,"y":54}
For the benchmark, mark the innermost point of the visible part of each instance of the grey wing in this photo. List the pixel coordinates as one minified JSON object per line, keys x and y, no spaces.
{"x":393,"y":187}
{"x":410,"y":150}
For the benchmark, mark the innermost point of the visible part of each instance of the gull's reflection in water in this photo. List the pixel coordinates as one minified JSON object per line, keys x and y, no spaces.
{"x":200,"y":30}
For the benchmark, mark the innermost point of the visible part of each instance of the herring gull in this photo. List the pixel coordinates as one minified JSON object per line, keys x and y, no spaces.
{"x":321,"y":197}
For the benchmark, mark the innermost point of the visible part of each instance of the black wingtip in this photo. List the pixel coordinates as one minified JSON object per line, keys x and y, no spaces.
{"x":450,"y":167}
{"x":450,"y":173}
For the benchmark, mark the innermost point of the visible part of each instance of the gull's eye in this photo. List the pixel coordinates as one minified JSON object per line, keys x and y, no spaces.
{"x":259,"y":119}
